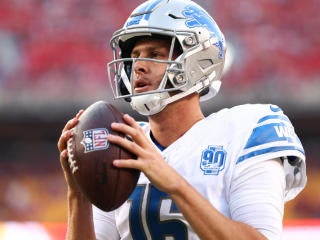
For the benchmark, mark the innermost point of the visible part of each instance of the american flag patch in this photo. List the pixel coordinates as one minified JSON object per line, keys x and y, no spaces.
{"x":95,"y":139}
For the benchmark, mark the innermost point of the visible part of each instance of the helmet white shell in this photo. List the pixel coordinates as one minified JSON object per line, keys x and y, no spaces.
{"x":197,"y":69}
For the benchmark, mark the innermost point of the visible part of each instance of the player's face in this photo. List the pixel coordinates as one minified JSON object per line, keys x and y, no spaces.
{"x":148,"y":74}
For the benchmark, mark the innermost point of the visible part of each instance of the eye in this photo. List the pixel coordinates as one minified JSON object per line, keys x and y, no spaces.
{"x":134,"y":55}
{"x":155,"y":54}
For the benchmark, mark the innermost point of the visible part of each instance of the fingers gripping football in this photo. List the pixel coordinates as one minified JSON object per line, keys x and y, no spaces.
{"x":149,"y":160}
{"x":66,"y":134}
{"x":136,"y":142}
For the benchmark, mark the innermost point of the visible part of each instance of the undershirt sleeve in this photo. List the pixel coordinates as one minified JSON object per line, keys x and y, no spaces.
{"x":104,"y":224}
{"x":257,"y":197}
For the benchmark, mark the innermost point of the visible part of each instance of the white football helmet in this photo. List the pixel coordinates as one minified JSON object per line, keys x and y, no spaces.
{"x":197,"y":69}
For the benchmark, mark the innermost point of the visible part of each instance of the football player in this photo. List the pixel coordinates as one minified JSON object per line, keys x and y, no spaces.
{"x":225,"y":176}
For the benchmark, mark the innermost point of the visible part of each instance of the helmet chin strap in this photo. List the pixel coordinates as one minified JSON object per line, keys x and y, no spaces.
{"x":196,"y":88}
{"x":151,"y":104}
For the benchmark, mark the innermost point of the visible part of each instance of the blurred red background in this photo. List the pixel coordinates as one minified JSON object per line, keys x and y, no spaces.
{"x":53,"y":57}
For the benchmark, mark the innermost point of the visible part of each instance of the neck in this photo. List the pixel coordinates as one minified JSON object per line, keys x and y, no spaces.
{"x":175,"y":119}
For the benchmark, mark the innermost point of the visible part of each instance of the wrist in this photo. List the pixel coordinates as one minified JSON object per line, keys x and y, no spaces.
{"x":77,"y":196}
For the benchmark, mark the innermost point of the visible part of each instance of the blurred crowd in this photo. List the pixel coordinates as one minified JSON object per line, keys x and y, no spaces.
{"x":275,"y":40}
{"x":58,"y":44}
{"x":49,"y":48}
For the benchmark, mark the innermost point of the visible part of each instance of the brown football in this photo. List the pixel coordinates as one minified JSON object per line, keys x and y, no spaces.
{"x":91,"y":157}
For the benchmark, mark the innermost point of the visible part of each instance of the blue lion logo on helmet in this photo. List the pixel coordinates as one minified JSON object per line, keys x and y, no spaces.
{"x":196,"y":17}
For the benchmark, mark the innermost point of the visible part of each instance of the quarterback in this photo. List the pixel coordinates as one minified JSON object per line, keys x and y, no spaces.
{"x":224,"y":176}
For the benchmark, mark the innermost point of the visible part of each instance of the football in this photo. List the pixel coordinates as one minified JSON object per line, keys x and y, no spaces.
{"x":90,"y":158}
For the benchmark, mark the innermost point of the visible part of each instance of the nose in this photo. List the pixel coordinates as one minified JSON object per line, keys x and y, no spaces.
{"x":140,"y":67}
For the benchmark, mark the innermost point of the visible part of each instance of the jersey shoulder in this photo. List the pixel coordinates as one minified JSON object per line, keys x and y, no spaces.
{"x":251,"y":113}
{"x":264,"y":128}
{"x":247,"y":116}
{"x":266,"y":133}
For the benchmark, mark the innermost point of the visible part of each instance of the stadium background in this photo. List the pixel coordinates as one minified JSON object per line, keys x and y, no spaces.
{"x":53,"y":57}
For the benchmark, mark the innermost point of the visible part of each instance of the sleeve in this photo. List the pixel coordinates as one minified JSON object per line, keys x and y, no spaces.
{"x":273,"y":136}
{"x":104,"y":224}
{"x":257,"y":197}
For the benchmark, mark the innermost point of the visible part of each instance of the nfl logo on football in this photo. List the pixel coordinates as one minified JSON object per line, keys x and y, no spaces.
{"x":95,"y":139}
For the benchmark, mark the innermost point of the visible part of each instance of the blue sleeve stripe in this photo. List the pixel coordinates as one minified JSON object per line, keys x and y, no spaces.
{"x":272,"y":132}
{"x":269,"y":150}
{"x":279,"y":117}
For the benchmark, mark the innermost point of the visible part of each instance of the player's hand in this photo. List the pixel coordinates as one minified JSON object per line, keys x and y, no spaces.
{"x":62,"y":146}
{"x":149,"y":159}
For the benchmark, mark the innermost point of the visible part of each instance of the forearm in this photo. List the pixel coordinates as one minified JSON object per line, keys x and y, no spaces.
{"x":206,"y":221}
{"x":80,"y":222}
